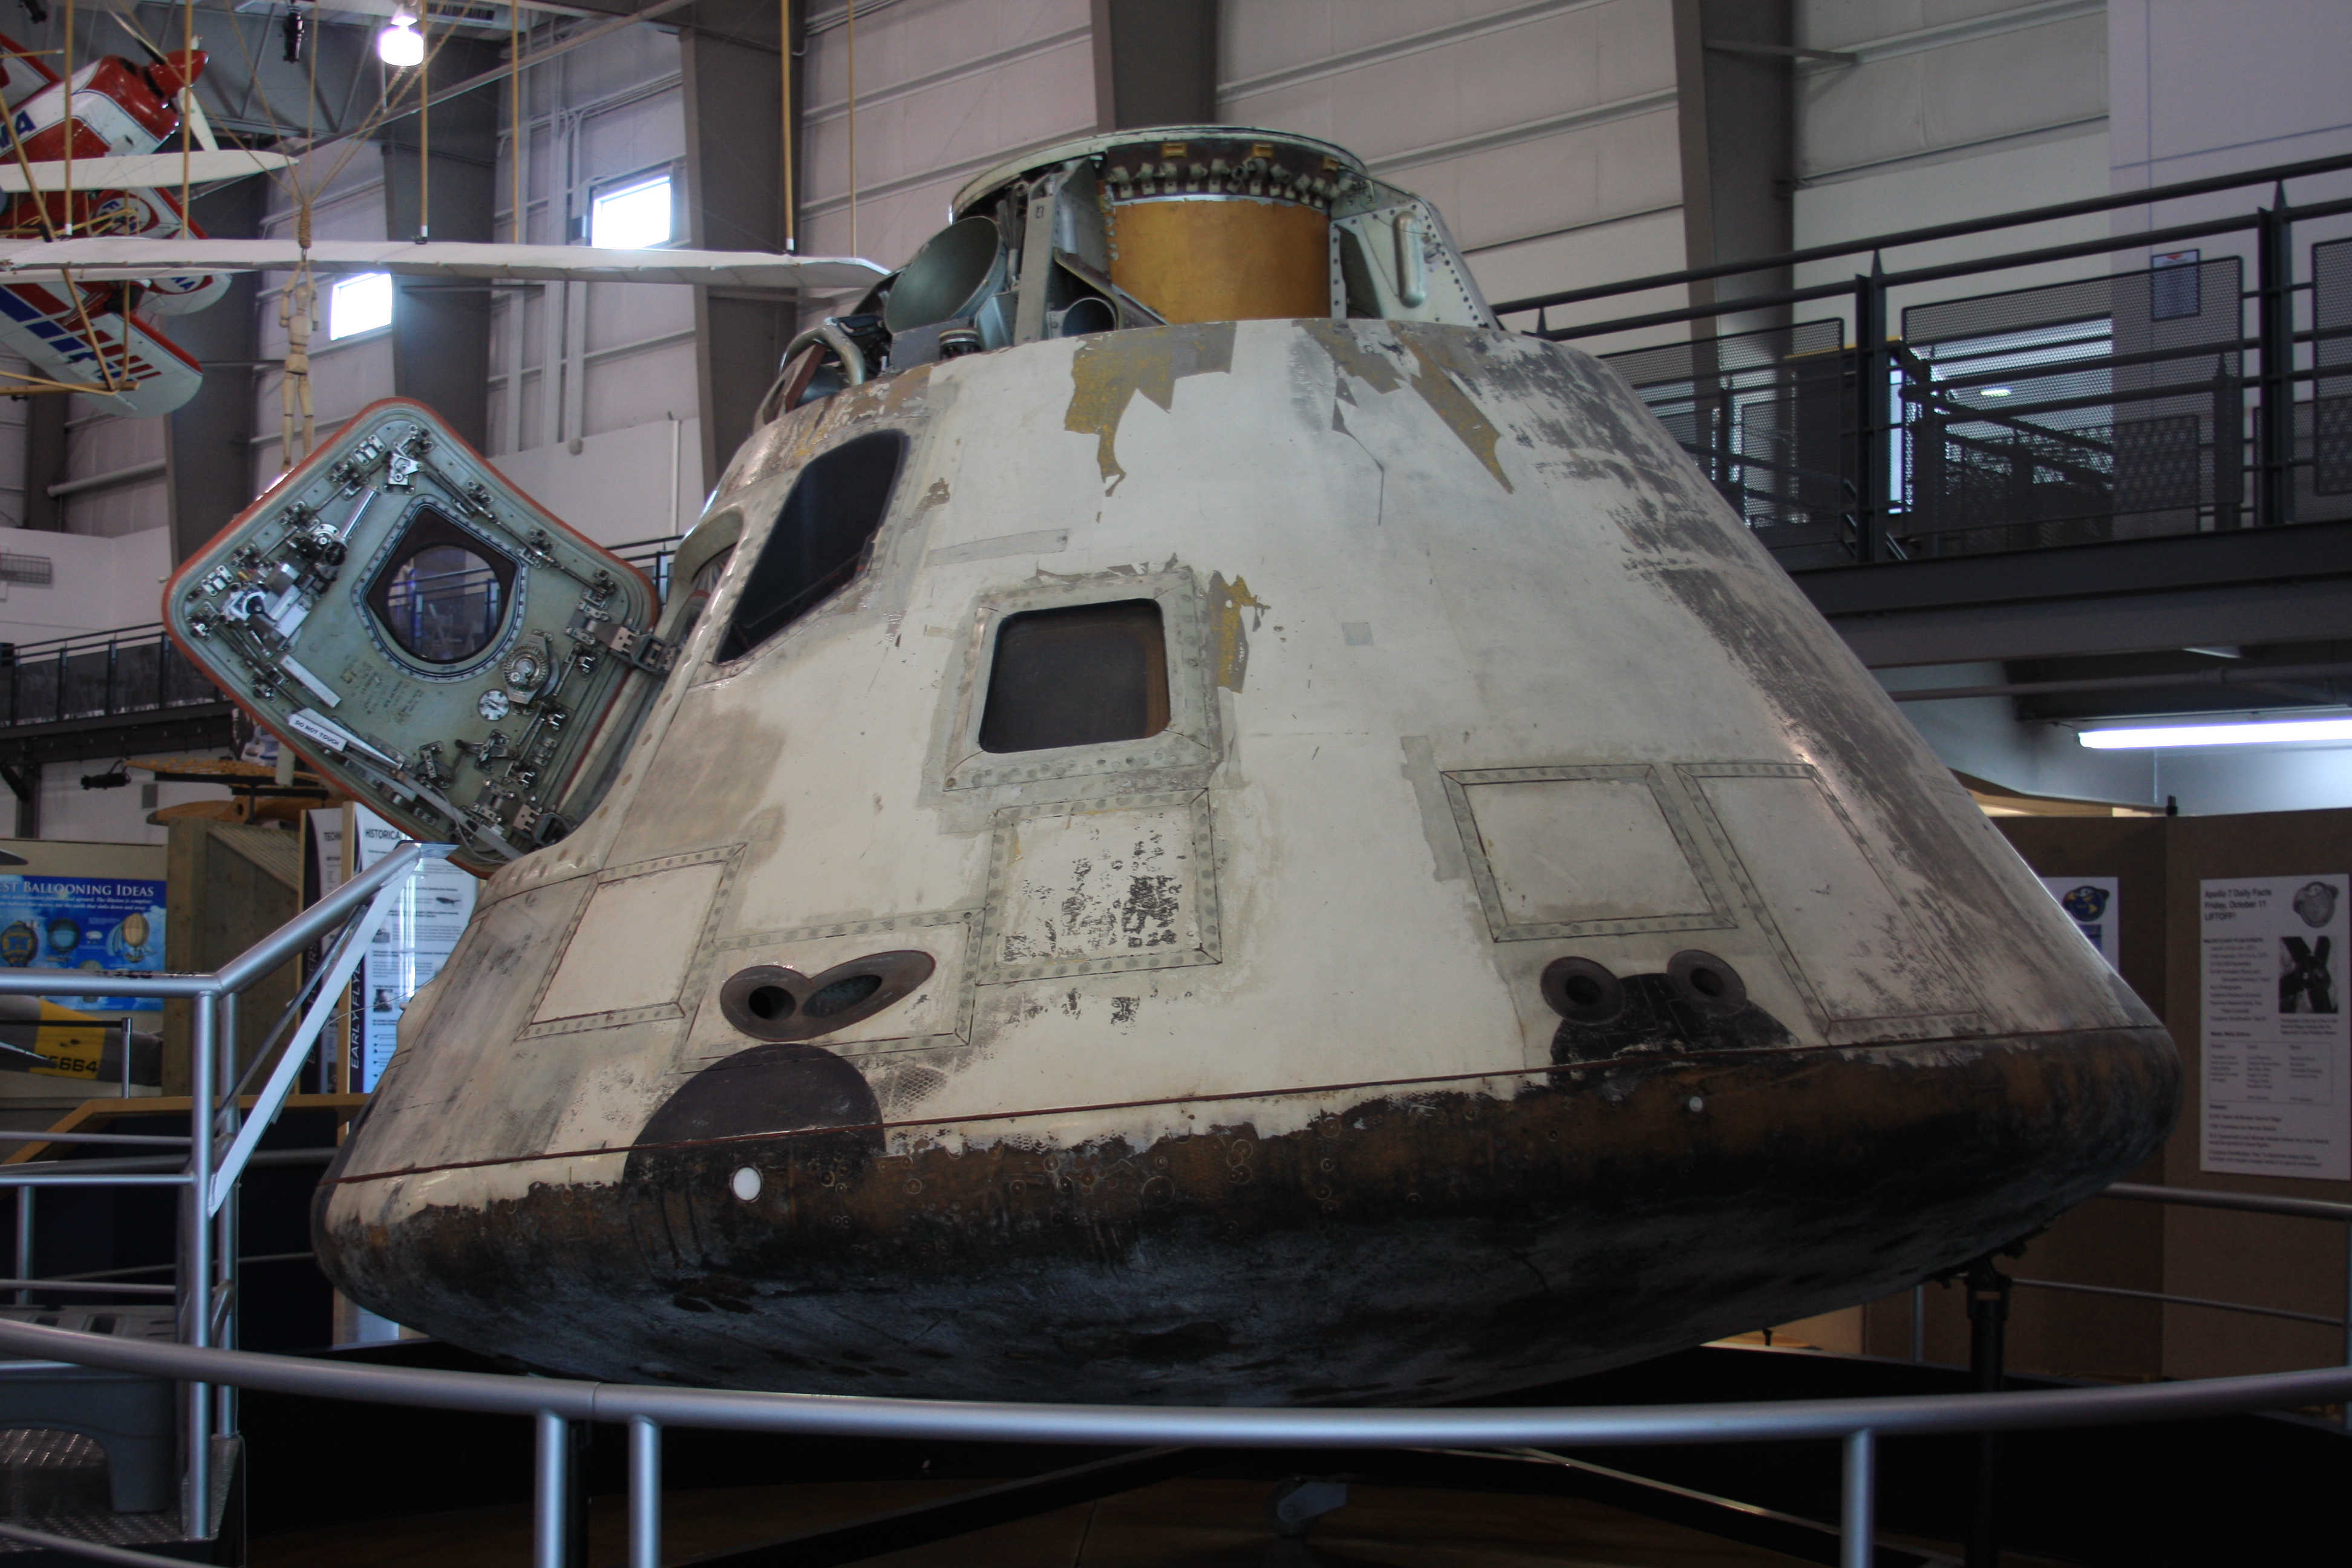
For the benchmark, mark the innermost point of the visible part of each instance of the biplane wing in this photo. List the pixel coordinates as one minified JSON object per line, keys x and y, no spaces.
{"x":141,"y":171}
{"x":63,"y":342}
{"x":101,"y":259}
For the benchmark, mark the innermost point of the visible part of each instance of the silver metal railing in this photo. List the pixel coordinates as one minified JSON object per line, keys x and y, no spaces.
{"x":220,"y":1144}
{"x":2194,"y":1198}
{"x":206,"y":1164}
{"x":553,"y":1404}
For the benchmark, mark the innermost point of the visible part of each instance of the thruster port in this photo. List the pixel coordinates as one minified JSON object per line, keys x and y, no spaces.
{"x":1706,"y":982}
{"x":1583,"y":991}
{"x":770,"y":1001}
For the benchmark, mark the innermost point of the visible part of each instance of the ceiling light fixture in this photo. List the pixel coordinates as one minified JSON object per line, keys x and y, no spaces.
{"x":2265,"y":731}
{"x":400,"y":45}
{"x":1995,"y":391}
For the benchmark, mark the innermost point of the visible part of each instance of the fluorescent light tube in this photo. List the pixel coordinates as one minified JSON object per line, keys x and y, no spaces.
{"x":2262,"y":732}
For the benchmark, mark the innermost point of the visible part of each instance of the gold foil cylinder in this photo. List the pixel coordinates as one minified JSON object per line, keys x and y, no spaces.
{"x":1223,"y":257}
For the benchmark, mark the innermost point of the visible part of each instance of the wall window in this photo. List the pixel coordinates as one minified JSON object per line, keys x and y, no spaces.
{"x":1082,"y":676}
{"x":360,"y":304}
{"x":822,"y":539}
{"x":634,"y":216}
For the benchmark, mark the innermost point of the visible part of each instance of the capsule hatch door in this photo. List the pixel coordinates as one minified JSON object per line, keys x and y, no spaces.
{"x":427,"y":635}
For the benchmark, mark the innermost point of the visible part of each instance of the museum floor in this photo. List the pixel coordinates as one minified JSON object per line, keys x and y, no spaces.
{"x":1195,"y":1523}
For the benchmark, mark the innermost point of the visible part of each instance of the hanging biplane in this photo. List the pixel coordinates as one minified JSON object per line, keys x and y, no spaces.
{"x":94,"y":240}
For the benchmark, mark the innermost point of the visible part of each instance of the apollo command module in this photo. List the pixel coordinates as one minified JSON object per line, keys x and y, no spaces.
{"x":1199,"y":824}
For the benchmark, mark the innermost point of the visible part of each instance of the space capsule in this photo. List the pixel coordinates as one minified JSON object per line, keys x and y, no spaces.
{"x":1199,"y":823}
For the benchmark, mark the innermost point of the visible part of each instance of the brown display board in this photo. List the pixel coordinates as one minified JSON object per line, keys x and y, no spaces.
{"x":2298,"y":1265}
{"x":230,"y":886}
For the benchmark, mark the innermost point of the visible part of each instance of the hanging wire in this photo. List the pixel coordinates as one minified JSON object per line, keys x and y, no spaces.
{"x":784,"y":37}
{"x":424,"y":133}
{"x":187,"y":112}
{"x":69,"y":125}
{"x":517,"y":230}
{"x":853,"y":127}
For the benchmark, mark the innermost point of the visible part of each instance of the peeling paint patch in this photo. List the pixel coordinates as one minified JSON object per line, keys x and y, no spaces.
{"x":1451,"y":405}
{"x":1108,"y":371}
{"x":1226,"y":603}
{"x":1429,"y":380}
{"x":1095,"y":884}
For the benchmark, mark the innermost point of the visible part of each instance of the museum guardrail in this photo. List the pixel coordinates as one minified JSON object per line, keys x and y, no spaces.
{"x":223,"y":1131}
{"x":208,"y":1163}
{"x":555,"y":1404}
{"x":2176,"y":397}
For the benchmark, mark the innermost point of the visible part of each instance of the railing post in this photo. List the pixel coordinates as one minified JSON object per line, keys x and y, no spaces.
{"x":644,"y":1493}
{"x":2275,"y":334}
{"x":197,"y":1263}
{"x":2229,"y":445}
{"x":1857,"y":1521}
{"x":1870,"y":487}
{"x":1988,"y":1290}
{"x":550,"y":1493}
{"x":24,"y":1244}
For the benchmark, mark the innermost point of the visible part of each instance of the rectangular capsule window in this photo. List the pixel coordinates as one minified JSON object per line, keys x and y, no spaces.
{"x":1083,"y":676}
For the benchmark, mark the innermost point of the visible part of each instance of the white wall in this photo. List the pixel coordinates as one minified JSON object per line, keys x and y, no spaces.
{"x":574,"y":363}
{"x":68,"y":811}
{"x":1545,"y":133}
{"x":587,"y":381}
{"x":2212,"y":780}
{"x":1981,"y":735}
{"x":1956,"y":109}
{"x":945,"y":89}
{"x":98,"y":583}
{"x":2202,"y":89}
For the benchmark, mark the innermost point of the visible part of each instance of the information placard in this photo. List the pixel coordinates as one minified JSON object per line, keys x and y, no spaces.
{"x":2276,"y":1047}
{"x":409,"y":948}
{"x":2094,"y":905}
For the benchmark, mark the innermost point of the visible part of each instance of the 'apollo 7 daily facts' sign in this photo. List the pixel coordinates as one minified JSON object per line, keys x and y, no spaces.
{"x":2276,"y":1047}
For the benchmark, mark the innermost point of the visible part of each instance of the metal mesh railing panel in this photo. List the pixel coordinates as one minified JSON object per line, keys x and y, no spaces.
{"x":1759,"y":412}
{"x":2331,"y":414}
{"x":2104,"y":408}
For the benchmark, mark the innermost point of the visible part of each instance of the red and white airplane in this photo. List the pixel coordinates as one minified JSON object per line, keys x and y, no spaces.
{"x":81,"y":159}
{"x":93,"y":243}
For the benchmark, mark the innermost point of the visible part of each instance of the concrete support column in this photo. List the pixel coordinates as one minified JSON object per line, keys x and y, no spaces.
{"x":1155,"y":63}
{"x":441,"y":330}
{"x":45,"y":457}
{"x":731,"y":55}
{"x":1734,"y":66}
{"x":207,"y":457}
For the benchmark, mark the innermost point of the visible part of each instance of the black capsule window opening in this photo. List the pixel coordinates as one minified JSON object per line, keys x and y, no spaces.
{"x":443,"y":593}
{"x":823,"y":538}
{"x":1080,"y":674}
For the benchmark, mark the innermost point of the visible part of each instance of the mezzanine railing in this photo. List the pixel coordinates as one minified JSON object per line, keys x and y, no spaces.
{"x":2173,"y":398}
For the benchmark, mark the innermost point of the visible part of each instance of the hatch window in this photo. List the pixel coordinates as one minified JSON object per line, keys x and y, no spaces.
{"x":822,"y":539}
{"x":444,"y":593}
{"x":1082,"y":676}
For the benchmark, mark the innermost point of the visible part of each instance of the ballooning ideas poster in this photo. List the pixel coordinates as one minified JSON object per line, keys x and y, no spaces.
{"x":95,"y":923}
{"x":2276,"y":1047}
